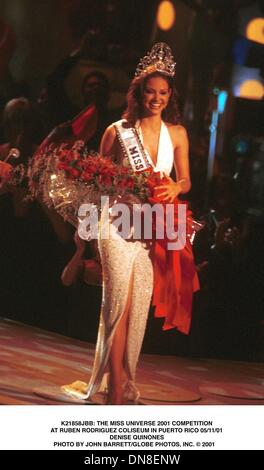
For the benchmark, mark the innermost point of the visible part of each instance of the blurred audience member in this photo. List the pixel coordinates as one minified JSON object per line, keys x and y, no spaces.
{"x":89,"y":270}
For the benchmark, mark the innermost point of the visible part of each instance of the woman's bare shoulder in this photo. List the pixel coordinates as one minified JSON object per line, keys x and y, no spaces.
{"x":177,"y":132}
{"x":110,"y":131}
{"x":109,"y":142}
{"x":176,"y":129}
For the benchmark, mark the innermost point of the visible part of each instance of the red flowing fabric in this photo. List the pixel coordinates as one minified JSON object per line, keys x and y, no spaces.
{"x":175,"y":277}
{"x":83,"y":127}
{"x":85,"y":124}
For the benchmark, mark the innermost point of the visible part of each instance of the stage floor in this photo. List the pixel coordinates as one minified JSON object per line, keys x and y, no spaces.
{"x":33,"y":359}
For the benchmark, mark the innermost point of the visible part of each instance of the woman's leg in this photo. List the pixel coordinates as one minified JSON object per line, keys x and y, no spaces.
{"x":138,"y":315}
{"x":130,"y":331}
{"x":117,"y":354}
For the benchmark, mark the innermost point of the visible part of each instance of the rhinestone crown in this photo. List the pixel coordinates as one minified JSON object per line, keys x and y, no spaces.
{"x":159,"y":59}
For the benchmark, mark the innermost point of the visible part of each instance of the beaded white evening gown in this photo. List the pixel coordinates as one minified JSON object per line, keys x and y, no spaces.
{"x":126,"y":265}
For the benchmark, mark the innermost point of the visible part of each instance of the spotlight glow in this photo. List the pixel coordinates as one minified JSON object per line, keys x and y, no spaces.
{"x":255,"y":30}
{"x":166,"y":15}
{"x":251,"y":89}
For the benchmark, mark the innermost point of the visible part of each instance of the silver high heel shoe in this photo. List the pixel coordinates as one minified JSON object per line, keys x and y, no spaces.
{"x":77,"y":389}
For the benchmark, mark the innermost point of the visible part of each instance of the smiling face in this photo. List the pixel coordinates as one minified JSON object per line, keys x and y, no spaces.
{"x":156,"y":95}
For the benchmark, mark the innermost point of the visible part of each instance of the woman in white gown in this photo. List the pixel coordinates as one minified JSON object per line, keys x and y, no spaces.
{"x":127,"y":267}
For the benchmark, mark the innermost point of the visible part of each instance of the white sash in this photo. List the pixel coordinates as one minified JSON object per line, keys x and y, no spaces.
{"x":133,"y":148}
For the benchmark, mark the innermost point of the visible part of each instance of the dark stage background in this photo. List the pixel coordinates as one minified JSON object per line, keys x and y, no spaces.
{"x":47,"y":50}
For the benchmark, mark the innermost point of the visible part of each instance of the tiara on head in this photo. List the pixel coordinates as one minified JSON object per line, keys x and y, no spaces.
{"x":159,"y":59}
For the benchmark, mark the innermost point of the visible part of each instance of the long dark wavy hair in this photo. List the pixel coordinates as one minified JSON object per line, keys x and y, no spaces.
{"x":134,"y":108}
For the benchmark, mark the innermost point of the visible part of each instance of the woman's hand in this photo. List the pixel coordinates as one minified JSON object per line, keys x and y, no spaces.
{"x":169,"y":191}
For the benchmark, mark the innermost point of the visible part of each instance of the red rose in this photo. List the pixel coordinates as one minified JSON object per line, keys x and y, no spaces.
{"x":74,"y":173}
{"x":63,"y":166}
{"x":87,"y":176}
{"x":102,"y":180}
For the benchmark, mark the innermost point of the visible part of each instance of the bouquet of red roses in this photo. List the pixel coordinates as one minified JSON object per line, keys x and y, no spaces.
{"x":100,"y":173}
{"x":66,"y":176}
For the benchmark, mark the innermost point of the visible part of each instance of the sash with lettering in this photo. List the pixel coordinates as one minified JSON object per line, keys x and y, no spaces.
{"x":132,"y":147}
